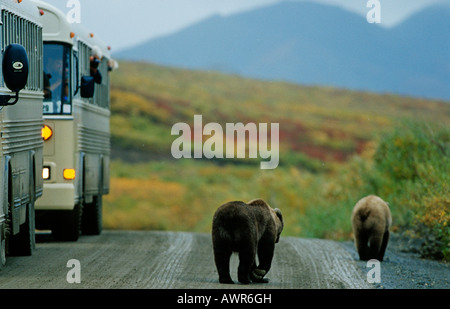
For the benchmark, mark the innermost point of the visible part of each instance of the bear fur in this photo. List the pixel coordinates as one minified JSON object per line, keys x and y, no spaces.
{"x":248,"y":229}
{"x":371,"y":220}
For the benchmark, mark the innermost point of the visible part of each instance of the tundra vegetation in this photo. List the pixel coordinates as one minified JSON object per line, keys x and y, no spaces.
{"x":335,"y":147}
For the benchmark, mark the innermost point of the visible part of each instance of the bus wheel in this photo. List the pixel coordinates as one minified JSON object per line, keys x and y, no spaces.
{"x":2,"y":248}
{"x":67,"y":224}
{"x":92,"y":217}
{"x":24,"y":243}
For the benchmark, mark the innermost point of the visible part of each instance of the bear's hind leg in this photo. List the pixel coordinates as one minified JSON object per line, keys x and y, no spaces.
{"x":375,"y":246}
{"x":222,"y":259}
{"x":246,"y":264}
{"x":383,"y":246}
{"x":361,"y":244}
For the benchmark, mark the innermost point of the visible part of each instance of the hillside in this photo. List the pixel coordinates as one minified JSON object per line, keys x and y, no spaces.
{"x":315,"y":44}
{"x":317,"y":124}
{"x":336,"y":146}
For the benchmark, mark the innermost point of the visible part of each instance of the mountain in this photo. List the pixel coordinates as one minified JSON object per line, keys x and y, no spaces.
{"x":315,"y":44}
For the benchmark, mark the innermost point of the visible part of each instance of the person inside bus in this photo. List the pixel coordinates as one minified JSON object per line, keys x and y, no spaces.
{"x":95,"y":60}
{"x":47,"y":89}
{"x":112,"y":65}
{"x":56,"y":82}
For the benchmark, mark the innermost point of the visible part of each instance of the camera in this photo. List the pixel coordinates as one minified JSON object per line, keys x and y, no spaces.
{"x":95,"y":62}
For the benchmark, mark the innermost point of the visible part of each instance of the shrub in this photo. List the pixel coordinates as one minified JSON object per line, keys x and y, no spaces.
{"x":412,"y":171}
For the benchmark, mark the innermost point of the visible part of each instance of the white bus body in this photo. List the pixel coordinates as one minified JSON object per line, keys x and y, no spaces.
{"x":76,"y":156}
{"x":21,"y":149}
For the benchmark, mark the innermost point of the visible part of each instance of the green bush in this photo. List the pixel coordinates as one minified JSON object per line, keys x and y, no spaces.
{"x":411,"y":170}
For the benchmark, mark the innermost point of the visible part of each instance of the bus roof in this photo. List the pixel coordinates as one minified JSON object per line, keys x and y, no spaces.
{"x":89,"y":38}
{"x":25,"y":8}
{"x":56,"y":28}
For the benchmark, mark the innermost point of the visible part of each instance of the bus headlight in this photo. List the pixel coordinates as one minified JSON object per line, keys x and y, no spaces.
{"x":46,"y":173}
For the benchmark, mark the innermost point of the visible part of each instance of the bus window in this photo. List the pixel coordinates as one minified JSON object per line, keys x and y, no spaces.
{"x":57,"y":72}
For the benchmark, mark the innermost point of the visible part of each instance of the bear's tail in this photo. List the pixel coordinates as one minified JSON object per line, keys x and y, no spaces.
{"x":364,"y":214}
{"x":232,"y":232}
{"x":230,"y":236}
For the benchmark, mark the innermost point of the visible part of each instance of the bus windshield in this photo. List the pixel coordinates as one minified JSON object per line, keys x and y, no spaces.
{"x":57,"y":93}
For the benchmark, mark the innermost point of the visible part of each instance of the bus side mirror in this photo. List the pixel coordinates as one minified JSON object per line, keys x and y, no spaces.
{"x":87,"y":87}
{"x":15,"y":72}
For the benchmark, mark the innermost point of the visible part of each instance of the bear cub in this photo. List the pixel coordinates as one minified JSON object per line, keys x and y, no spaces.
{"x":371,"y":220}
{"x":248,"y":229}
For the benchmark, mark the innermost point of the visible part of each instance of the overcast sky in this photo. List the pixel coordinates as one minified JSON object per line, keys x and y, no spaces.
{"x":124,"y":23}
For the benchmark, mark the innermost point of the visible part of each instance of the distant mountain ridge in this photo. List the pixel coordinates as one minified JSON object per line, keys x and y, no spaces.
{"x":315,"y":44}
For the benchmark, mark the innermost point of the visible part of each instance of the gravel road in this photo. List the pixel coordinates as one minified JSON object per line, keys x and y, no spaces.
{"x":403,"y":268}
{"x":177,"y":260}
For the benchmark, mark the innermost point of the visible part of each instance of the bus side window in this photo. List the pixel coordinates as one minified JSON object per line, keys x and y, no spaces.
{"x":76,"y":71}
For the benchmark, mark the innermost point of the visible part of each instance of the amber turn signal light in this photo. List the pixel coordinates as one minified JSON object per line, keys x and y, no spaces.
{"x":69,"y":174}
{"x":47,"y":132}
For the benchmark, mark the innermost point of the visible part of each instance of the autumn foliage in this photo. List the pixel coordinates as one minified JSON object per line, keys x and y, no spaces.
{"x":336,"y":146}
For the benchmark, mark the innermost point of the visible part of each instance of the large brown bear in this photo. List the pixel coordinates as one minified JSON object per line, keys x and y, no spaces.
{"x":247,"y":229}
{"x":371,"y":220}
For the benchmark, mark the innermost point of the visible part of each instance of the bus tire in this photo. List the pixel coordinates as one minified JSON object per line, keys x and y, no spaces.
{"x":2,"y":247}
{"x":92,"y":221}
{"x":24,"y":243}
{"x":68,"y":226}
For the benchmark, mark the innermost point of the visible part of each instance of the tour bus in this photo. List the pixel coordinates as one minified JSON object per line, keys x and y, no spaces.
{"x":76,"y":130}
{"x":21,"y":149}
